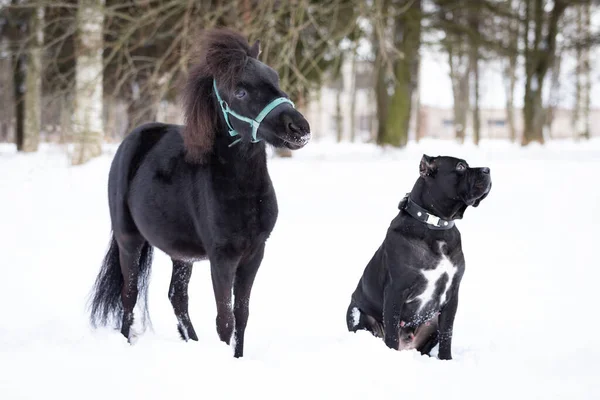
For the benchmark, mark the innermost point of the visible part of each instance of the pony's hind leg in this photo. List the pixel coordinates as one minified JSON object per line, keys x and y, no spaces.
{"x":129,"y":257}
{"x":178,"y":295}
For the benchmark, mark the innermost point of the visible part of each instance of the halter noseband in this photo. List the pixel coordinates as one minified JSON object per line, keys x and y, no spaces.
{"x":254,"y":123}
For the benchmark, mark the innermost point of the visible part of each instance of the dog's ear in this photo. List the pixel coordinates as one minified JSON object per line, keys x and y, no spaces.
{"x":427,"y":166}
{"x":255,"y":50}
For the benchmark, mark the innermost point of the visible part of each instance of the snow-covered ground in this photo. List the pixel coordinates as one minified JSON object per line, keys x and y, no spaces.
{"x":526,"y":328}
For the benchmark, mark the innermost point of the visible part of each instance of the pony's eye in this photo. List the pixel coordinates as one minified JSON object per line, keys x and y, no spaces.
{"x":461,"y":167}
{"x":240,"y":93}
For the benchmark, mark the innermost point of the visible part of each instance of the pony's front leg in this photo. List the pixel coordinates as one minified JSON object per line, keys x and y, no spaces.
{"x":178,"y":295}
{"x":244,"y":279}
{"x":222,"y":271}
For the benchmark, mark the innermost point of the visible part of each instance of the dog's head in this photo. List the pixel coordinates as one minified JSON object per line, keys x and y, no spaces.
{"x":451,"y":180}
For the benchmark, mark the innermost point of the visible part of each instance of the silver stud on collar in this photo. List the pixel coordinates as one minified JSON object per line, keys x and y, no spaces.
{"x":445,"y":223}
{"x":419,"y":213}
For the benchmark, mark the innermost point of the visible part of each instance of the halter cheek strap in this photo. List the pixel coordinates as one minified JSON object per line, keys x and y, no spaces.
{"x":254,"y":123}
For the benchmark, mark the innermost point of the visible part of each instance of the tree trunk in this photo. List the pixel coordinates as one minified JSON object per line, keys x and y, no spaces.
{"x":459,"y":76}
{"x":339,"y":125}
{"x":33,"y":83}
{"x":110,"y":127}
{"x":381,"y":93}
{"x":27,"y":77}
{"x":456,"y":45}
{"x":372,"y":117}
{"x":510,"y":77}
{"x":353,"y":96}
{"x":476,"y":112}
{"x":461,"y":107}
{"x":408,"y":28}
{"x":510,"y":110}
{"x":474,"y":66}
{"x":88,"y":126}
{"x":66,"y":116}
{"x":510,"y":70}
{"x":6,"y":92}
{"x":553,"y":94}
{"x":587,"y":73}
{"x":417,"y":102}
{"x":538,"y":58}
{"x":533,"y":118}
{"x":18,"y":63}
{"x":581,"y":111}
{"x":381,"y":98}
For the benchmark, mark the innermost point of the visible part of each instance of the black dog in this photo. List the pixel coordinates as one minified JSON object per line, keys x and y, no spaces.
{"x":408,"y":294}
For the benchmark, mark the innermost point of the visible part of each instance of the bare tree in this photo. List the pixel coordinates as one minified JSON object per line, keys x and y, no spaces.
{"x":407,"y":39}
{"x":539,"y":36}
{"x":33,"y":82}
{"x":512,"y":25}
{"x":24,"y":32}
{"x":452,"y":16}
{"x":353,"y":73}
{"x":380,"y":29}
{"x":583,"y":81}
{"x":459,"y":76}
{"x":6,"y":91}
{"x":473,"y":18}
{"x":88,"y":127}
{"x":554,"y":93}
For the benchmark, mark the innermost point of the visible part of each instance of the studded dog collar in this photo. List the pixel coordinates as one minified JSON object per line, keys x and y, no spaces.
{"x":419,"y":213}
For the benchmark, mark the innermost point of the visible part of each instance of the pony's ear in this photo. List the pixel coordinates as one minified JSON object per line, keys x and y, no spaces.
{"x":255,"y":50}
{"x":200,"y":116}
{"x":427,"y":166}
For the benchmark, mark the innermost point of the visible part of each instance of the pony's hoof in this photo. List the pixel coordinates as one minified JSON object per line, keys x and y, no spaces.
{"x":187,"y":333}
{"x":132,"y":339}
{"x":130,"y":335}
{"x":125,"y":332}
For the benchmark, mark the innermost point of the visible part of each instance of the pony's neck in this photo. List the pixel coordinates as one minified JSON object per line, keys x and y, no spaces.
{"x":245,"y":160}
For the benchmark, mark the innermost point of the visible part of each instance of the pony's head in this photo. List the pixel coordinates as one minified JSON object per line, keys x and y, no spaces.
{"x":230,"y":92}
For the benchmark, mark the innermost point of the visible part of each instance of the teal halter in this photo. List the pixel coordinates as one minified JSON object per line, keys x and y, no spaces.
{"x":254,"y":123}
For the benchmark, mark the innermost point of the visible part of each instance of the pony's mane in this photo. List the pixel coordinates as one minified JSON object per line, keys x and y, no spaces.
{"x":222,"y":56}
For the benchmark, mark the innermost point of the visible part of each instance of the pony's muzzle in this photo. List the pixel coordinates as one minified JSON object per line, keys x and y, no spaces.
{"x":297,"y":129}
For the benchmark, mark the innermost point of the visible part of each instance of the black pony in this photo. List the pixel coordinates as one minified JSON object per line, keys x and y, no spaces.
{"x":199,"y":191}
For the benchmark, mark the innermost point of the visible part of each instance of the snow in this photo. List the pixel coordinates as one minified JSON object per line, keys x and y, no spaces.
{"x":355,"y":313}
{"x":525,"y":328}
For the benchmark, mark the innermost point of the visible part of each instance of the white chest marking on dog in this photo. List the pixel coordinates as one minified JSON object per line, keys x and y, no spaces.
{"x":432,"y":276}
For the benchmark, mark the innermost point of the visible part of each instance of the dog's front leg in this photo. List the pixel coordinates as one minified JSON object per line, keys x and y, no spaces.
{"x":393,"y":301}
{"x":446,"y":323}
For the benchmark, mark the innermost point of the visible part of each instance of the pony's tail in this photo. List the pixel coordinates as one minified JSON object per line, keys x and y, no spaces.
{"x":106,"y":305}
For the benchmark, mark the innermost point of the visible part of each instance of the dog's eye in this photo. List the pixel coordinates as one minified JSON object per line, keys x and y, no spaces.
{"x":240,"y":93}
{"x":461,"y":167}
